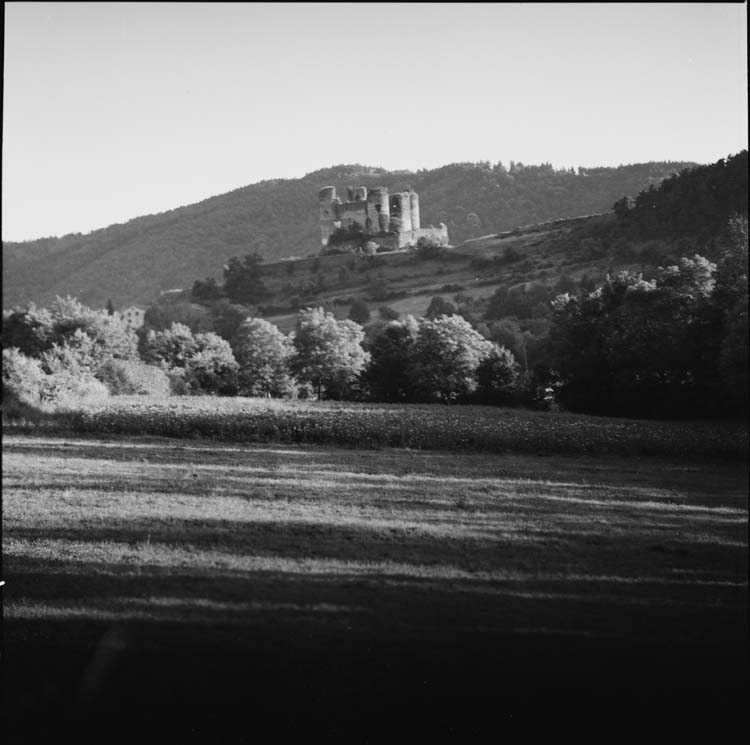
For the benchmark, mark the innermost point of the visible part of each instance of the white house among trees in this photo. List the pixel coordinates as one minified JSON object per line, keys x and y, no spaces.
{"x":133,"y":316}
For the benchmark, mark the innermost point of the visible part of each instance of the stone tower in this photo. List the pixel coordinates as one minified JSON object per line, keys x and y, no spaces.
{"x":414,"y":204}
{"x":378,"y":209}
{"x":400,"y":205}
{"x":329,"y":217}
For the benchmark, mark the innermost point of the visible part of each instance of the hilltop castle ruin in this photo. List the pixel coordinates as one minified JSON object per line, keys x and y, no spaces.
{"x":391,"y":221}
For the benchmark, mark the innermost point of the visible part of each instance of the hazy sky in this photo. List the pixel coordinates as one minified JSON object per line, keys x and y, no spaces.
{"x":116,"y":110}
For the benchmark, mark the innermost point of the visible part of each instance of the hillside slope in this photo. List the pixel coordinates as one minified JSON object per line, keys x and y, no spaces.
{"x":134,"y":261}
{"x":407,"y":283}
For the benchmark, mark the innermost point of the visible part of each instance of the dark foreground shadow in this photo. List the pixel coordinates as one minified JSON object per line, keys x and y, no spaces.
{"x":283,"y":656}
{"x":189,"y":685}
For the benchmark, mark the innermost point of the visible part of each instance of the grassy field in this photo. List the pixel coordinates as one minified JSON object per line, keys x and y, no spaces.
{"x":224,"y":591}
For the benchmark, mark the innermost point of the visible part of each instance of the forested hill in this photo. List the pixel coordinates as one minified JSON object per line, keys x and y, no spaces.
{"x":133,"y":262}
{"x":696,"y":202}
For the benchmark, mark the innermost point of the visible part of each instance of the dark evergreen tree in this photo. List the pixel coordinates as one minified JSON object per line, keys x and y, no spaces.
{"x":242,"y":280}
{"x":359,"y":312}
{"x":390,"y":352}
{"x":439,"y":306}
{"x":205,"y":290}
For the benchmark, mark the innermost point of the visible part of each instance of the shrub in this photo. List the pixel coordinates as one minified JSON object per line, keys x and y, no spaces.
{"x":379,"y":291}
{"x":23,"y":382}
{"x":30,"y":331}
{"x":344,"y":235}
{"x":124,"y":378}
{"x":428,"y":248}
{"x":388,"y":314}
{"x":179,"y":383}
{"x":206,"y":290}
{"x":439,"y":306}
{"x":68,"y":390}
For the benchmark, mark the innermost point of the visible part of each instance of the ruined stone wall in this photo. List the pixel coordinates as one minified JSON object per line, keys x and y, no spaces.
{"x":410,"y":237}
{"x":440,"y":233}
{"x":350,"y":212}
{"x":387,"y":242}
{"x":279,"y":271}
{"x":356,"y":194}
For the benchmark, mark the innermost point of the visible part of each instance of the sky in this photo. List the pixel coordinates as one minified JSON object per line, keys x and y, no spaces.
{"x":116,"y":110}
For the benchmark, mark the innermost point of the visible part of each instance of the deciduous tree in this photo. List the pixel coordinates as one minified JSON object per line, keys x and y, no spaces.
{"x":212,"y":367}
{"x":328,"y":353}
{"x":110,"y":336}
{"x":172,"y":347}
{"x":498,"y":376}
{"x":263,"y":354}
{"x":205,"y":361}
{"x":445,"y":358}
{"x":640,"y":348}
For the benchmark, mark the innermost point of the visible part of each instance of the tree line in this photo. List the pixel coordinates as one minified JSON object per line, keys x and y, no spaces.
{"x":672,"y":346}
{"x":70,"y":351}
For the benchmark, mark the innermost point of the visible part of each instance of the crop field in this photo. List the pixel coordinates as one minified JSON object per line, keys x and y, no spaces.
{"x":227,"y":591}
{"x":419,"y":427}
